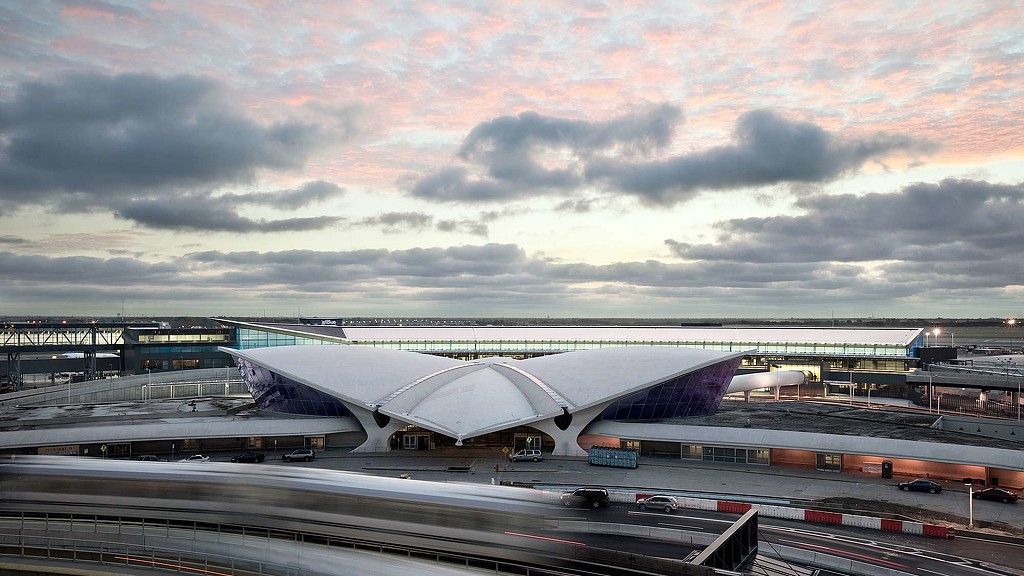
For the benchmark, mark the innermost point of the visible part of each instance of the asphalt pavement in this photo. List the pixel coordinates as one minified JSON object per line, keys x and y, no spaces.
{"x":863,"y":494}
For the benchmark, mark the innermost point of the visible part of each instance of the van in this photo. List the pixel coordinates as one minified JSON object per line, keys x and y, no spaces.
{"x":588,"y":497}
{"x":526,"y":454}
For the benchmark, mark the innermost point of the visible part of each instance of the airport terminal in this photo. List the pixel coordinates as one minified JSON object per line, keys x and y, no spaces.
{"x":658,"y":390}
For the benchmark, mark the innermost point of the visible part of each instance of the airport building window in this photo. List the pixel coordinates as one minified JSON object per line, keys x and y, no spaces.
{"x":248,"y":339}
{"x":696,"y":393}
{"x":829,"y":462}
{"x":691,"y":452}
{"x":733,"y":455}
{"x":275,"y":393}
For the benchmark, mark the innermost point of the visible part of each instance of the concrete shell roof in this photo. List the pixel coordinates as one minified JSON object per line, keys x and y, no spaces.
{"x":466,"y":399}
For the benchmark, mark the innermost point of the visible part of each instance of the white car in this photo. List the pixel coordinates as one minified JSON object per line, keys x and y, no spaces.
{"x":658,"y":502}
{"x":195,"y":458}
{"x":526,"y":454}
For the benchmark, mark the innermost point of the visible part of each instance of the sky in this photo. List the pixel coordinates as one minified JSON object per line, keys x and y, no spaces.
{"x":512,"y":159}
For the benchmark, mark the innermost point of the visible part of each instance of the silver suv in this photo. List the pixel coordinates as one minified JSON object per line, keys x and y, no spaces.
{"x":304,"y":454}
{"x":526,"y":454}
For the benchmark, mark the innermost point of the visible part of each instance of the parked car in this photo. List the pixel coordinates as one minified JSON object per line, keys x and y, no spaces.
{"x":304,"y":454}
{"x":150,"y":458}
{"x":997,"y":494}
{"x":921,"y":485}
{"x":195,"y":458}
{"x":588,"y":496}
{"x":250,"y":457}
{"x":525,"y":454}
{"x":659,"y":502}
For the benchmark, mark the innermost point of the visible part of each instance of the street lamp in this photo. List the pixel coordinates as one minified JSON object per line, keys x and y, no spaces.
{"x":1006,"y":367}
{"x":970,"y":502}
{"x":929,"y":391}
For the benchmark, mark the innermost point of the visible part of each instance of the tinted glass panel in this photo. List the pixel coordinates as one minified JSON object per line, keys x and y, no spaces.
{"x":275,"y":393}
{"x":694,"y":394}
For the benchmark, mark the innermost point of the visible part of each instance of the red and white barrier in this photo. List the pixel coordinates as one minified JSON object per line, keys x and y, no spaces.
{"x":816,"y":516}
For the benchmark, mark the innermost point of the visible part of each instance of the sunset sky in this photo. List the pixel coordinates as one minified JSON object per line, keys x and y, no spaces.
{"x":566,"y":159}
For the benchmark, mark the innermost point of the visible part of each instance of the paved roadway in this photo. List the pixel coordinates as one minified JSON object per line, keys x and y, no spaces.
{"x":962,"y":556}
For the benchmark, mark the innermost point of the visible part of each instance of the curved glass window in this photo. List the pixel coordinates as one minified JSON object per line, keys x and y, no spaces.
{"x":695,"y":394}
{"x":275,"y":393}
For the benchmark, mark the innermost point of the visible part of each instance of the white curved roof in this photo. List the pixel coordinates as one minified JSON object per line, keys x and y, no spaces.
{"x":465,"y":399}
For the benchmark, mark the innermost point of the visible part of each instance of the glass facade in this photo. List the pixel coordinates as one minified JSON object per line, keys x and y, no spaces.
{"x":476,"y":348}
{"x":249,"y":338}
{"x":758,"y":456}
{"x":695,"y":394}
{"x":276,"y":393}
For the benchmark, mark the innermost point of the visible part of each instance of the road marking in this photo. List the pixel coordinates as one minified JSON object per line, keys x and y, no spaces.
{"x":679,"y":526}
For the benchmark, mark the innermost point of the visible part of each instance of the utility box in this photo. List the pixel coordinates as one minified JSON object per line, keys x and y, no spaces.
{"x":613,"y":457}
{"x":886,"y":468}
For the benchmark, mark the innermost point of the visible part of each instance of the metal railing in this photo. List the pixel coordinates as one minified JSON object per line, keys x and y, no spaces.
{"x":41,"y":539}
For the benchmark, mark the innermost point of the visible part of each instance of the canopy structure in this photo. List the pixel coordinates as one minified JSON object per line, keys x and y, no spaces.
{"x":388,"y":390}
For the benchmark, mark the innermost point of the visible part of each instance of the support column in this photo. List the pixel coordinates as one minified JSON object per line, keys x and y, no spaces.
{"x":746,"y":395}
{"x":778,"y":393}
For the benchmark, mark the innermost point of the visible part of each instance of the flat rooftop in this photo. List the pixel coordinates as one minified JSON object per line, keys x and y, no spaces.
{"x":835,"y":418}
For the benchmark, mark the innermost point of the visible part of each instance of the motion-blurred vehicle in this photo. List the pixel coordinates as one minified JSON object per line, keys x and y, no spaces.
{"x":150,"y":458}
{"x":920,"y":485}
{"x":589,"y":497}
{"x":659,"y":502}
{"x":195,"y":458}
{"x":249,"y":457}
{"x":526,"y":454}
{"x":996,"y":495}
{"x":304,"y":454}
{"x":475,"y":519}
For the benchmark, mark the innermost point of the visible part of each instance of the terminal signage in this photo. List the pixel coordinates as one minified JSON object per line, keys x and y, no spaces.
{"x":321,"y":321}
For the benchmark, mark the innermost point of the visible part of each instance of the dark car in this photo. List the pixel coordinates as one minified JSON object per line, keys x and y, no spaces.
{"x":997,"y":494}
{"x":921,"y":485}
{"x":304,"y":454}
{"x":250,"y":457}
{"x":588,"y":497}
{"x":150,"y":458}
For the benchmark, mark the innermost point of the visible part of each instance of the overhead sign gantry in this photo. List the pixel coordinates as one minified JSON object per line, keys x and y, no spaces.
{"x":17,"y":338}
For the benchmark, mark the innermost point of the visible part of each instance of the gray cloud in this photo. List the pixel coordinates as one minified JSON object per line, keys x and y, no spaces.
{"x":516,"y":157}
{"x":965,"y":225}
{"x":394,"y":221}
{"x":99,"y":137}
{"x":455,"y":184}
{"x":752,"y":270}
{"x":292,"y":199}
{"x":8,"y":239}
{"x":576,"y":205}
{"x":464,"y":226}
{"x":216,"y":214}
{"x":512,"y":149}
{"x":769,"y":149}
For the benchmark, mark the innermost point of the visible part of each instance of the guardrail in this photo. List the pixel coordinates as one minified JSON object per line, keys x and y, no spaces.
{"x":40,"y":541}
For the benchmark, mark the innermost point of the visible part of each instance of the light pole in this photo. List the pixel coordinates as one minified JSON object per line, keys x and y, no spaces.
{"x":970,"y":504}
{"x":1006,"y":367}
{"x":851,"y":385}
{"x":930,"y":392}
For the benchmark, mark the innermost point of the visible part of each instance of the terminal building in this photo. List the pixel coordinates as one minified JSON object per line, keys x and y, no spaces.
{"x":561,"y":389}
